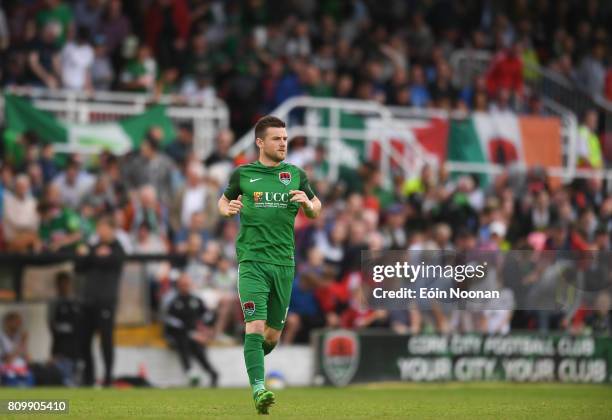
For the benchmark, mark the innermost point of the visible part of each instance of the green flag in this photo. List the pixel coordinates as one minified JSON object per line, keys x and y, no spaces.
{"x":19,"y":117}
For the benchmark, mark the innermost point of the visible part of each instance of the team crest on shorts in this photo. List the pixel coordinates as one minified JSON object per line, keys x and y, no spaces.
{"x":285,"y":177}
{"x":248,"y":308}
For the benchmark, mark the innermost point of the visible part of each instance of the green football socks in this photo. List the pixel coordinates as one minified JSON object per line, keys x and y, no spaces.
{"x":254,"y":361}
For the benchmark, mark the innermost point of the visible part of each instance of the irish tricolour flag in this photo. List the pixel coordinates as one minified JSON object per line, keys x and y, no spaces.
{"x":505,"y":138}
{"x":492,"y":138}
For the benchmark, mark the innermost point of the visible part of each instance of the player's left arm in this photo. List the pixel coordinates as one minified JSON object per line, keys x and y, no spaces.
{"x":311,"y":207}
{"x":310,"y":204}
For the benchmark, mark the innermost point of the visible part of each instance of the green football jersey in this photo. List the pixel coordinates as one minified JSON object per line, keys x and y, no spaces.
{"x":267,"y":216}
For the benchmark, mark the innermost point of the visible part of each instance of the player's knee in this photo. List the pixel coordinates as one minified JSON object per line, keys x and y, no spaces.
{"x":255,"y":327}
{"x":272,"y":335}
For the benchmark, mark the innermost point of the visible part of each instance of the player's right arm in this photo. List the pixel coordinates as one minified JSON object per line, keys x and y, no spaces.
{"x":229,"y":208}
{"x":230,"y":202}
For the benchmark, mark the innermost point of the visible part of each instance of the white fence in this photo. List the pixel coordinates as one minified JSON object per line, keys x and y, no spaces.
{"x":82,"y":107}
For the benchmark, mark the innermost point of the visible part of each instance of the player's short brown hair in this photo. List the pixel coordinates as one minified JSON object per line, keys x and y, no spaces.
{"x":266,"y":122}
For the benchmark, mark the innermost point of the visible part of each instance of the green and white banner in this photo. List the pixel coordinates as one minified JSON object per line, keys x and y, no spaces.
{"x":118,"y":137}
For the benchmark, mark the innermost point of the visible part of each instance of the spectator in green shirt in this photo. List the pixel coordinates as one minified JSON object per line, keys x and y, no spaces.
{"x":140,"y":73}
{"x":56,"y":11}
{"x":60,"y":227}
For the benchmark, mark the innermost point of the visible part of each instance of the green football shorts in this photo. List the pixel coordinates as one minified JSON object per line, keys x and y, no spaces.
{"x":265,"y":292}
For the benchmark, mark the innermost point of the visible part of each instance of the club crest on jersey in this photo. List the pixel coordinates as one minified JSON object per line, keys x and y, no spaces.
{"x":257,"y":195}
{"x":285,"y":177}
{"x":248,"y":308}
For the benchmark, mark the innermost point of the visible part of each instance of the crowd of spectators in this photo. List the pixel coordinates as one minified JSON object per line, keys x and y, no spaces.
{"x":166,"y":206}
{"x":462,"y":216}
{"x":163,"y":199}
{"x":255,"y":54}
{"x":157,"y":200}
{"x":432,"y":211}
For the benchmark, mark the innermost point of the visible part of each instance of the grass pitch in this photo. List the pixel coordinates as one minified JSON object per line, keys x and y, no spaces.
{"x":380,"y":401}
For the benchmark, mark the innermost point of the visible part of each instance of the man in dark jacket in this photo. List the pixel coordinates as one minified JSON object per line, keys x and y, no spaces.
{"x":185,"y":319}
{"x":102,"y":267}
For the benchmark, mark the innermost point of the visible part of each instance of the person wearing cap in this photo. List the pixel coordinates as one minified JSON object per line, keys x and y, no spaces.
{"x":497,"y":230}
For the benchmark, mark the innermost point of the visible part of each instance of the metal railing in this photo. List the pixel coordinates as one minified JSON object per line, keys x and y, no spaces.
{"x":391,"y":124}
{"x":125,"y":97}
{"x":81,"y":107}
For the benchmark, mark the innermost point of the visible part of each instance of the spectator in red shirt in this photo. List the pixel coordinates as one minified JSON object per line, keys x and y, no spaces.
{"x":506,"y":71}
